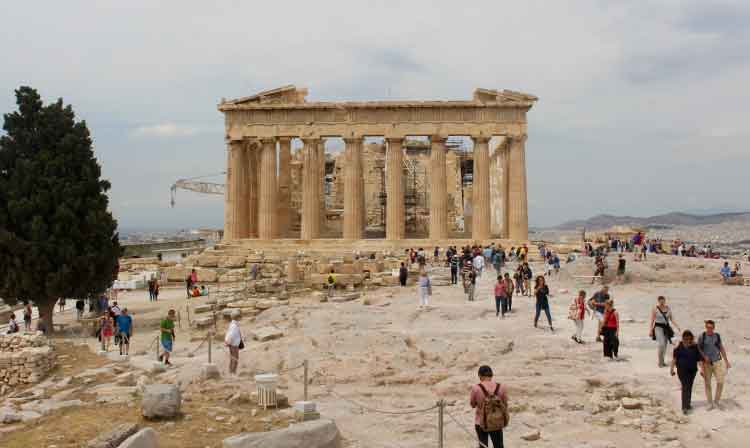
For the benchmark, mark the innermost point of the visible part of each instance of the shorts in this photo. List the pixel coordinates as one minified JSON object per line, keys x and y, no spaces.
{"x":124,"y":337}
{"x":717,"y":368}
{"x":599,"y":315}
{"x":166,"y":344}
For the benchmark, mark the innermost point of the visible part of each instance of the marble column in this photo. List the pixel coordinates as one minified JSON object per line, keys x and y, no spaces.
{"x":251,"y":161}
{"x":395,"y":227}
{"x":310,"y":202}
{"x":267,"y":204}
{"x":438,"y":189}
{"x":241,"y":190}
{"x":228,"y":199}
{"x":518,"y":205}
{"x":505,"y":164}
{"x":320,"y":184}
{"x":353,"y":193}
{"x":480,"y":226}
{"x":285,"y":181}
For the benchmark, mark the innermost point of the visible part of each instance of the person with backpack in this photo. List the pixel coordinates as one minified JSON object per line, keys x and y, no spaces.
{"x":661,"y":328}
{"x":713,"y":353}
{"x":527,"y":276}
{"x":577,"y":312}
{"x":686,"y":358}
{"x":490,"y":399}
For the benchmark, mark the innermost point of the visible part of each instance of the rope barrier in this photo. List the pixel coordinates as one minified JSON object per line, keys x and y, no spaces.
{"x":463,"y":427}
{"x":380,"y":411}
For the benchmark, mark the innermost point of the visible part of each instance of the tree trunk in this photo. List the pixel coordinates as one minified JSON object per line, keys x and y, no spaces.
{"x":46,"y":309}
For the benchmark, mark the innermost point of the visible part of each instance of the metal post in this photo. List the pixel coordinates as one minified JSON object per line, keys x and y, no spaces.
{"x":441,"y":410}
{"x":210,"y":337}
{"x":157,"y":348}
{"x":306,"y":364}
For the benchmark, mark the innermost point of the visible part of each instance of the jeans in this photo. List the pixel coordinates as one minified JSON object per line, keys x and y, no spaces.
{"x":661,"y":341}
{"x":470,"y":291}
{"x":501,"y":304}
{"x":686,"y":379}
{"x":454,"y":276}
{"x":611,"y":344}
{"x":496,"y":436}
{"x":539,"y":308}
{"x":424,"y":293}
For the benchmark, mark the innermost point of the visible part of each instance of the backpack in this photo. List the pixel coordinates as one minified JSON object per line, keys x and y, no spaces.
{"x":573,"y":311}
{"x":702,"y":341}
{"x":494,"y":412}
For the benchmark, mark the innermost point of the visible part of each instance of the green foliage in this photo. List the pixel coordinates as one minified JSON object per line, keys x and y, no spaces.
{"x":57,"y":238}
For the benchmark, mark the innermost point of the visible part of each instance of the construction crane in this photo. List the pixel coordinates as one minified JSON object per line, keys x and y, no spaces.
{"x":192,"y":184}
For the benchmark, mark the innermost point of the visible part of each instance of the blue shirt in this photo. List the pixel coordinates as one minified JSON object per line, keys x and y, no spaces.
{"x":725,"y":271}
{"x":124,"y":323}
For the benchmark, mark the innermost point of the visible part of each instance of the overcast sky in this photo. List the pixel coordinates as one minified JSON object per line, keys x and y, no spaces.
{"x":643,"y":105}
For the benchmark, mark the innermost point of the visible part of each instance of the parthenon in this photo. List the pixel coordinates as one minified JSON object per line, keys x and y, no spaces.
{"x":260,"y":130}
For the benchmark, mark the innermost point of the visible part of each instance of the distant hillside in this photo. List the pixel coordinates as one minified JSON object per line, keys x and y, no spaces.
{"x":601,"y":222}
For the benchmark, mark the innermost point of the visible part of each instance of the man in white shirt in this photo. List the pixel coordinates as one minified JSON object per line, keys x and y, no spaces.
{"x":115,"y":309}
{"x":478,"y":264}
{"x":233,"y":340}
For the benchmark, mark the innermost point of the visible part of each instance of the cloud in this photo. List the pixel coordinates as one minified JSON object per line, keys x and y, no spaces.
{"x":164,"y":130}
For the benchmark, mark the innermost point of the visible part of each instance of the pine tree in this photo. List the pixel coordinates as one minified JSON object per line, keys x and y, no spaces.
{"x":57,"y":238}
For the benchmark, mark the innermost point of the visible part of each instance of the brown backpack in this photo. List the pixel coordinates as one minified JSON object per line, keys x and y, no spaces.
{"x":494,"y":412}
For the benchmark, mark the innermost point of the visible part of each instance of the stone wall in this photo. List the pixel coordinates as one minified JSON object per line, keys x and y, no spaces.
{"x":25,"y":358}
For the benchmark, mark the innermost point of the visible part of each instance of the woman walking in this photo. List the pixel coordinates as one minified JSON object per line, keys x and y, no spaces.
{"x":576,"y":313}
{"x":661,"y":329}
{"x":501,"y":297}
{"x":424,"y":288}
{"x":541,"y":291}
{"x":609,"y":328}
{"x":106,"y":330}
{"x":509,"y":291}
{"x":686,"y":357}
{"x":27,"y":317}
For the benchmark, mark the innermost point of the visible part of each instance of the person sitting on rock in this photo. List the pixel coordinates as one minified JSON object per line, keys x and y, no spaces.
{"x":13,"y":325}
{"x":725,"y":271}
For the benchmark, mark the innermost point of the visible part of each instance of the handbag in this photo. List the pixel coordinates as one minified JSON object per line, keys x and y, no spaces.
{"x":242,"y":345}
{"x":668,"y":331}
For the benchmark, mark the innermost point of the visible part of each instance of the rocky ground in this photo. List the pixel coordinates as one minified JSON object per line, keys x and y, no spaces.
{"x":380,"y":352}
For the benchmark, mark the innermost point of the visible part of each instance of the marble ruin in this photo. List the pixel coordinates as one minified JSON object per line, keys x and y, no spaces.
{"x":261,"y":181}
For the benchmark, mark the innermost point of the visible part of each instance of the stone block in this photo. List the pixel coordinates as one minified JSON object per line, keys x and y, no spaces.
{"x":176,"y":273}
{"x":266,"y":334}
{"x":203,"y":322}
{"x":232,"y":262}
{"x":207,"y":260}
{"x":312,"y":434}
{"x":205,"y":308}
{"x":345,"y":297}
{"x":207,"y":275}
{"x":161,"y":401}
{"x":145,"y":438}
{"x":210,"y":371}
{"x":115,"y":437}
{"x":234,"y":275}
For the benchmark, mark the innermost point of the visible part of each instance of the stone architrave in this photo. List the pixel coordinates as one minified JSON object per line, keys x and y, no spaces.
{"x":267,"y":195}
{"x":310,"y":203}
{"x":353,"y":197}
{"x":481,"y":190}
{"x":285,"y":183}
{"x":438,"y":189}
{"x":395,"y":228}
{"x":518,"y":210}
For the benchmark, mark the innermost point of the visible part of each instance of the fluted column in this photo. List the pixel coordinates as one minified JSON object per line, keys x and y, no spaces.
{"x":353,"y":189}
{"x":285,"y":180}
{"x":505,"y":164}
{"x":518,"y":210}
{"x":268,"y":188}
{"x":310,"y":202}
{"x":480,"y":226}
{"x":438,"y":189}
{"x":252,"y":149}
{"x":228,"y":188}
{"x":320,"y":184}
{"x":395,"y":227}
{"x":240,"y":183}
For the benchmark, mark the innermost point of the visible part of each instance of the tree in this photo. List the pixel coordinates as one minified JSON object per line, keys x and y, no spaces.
{"x":57,"y":238}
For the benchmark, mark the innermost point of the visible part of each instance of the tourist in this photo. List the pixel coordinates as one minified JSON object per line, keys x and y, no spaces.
{"x":478,"y":263}
{"x":403,"y":274}
{"x":115,"y":309}
{"x":331,"y":282}
{"x":609,"y":329}
{"x":470,"y":284}
{"x":660,"y":329}
{"x":106,"y":330}
{"x":518,"y":277}
{"x":151,"y":282}
{"x":686,"y":358}
{"x":61,"y":304}
{"x":157,"y":288}
{"x":254,"y":271}
{"x":527,"y":276}
{"x":124,"y":331}
{"x":541,"y":291}
{"x":509,"y":291}
{"x":167,"y":337}
{"x":577,"y":312}
{"x":424,"y":288}
{"x":501,"y":296}
{"x":189,"y":285}
{"x":454,"y":263}
{"x":103,"y":303}
{"x":725,"y":271}
{"x":465,"y":270}
{"x":713,"y":353}
{"x":80,"y":306}
{"x":599,"y":269}
{"x":41,"y":325}
{"x":436,"y":254}
{"x":480,"y":397}
{"x":497,"y":261}
{"x":12,"y":324}
{"x":597,"y":304}
{"x":233,"y":340}
{"x":620,"y":268}
{"x":27,"y":317}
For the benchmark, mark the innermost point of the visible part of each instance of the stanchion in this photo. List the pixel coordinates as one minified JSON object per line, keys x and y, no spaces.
{"x":210,"y":341}
{"x":157,"y":348}
{"x":306,"y":364}
{"x":441,"y":410}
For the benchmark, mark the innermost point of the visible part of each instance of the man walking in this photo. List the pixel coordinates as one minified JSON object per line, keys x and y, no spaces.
{"x":233,"y":340}
{"x":597,"y":302}
{"x":713,"y":353}
{"x":125,"y":331}
{"x":167,"y":337}
{"x":454,"y":261}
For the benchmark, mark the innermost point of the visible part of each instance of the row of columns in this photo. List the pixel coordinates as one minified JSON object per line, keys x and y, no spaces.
{"x":254,"y":185}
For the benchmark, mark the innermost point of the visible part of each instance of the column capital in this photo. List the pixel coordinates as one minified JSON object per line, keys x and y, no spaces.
{"x":480,"y":139}
{"x":438,"y":138}
{"x":353,"y":139}
{"x":517,"y":138}
{"x":267,"y":140}
{"x":284,"y":139}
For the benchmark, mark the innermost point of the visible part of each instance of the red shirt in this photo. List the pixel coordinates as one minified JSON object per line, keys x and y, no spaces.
{"x":500,"y":289}
{"x":610,"y":319}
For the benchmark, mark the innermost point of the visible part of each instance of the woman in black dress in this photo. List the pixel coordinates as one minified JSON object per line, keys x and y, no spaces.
{"x":541,"y":291}
{"x":686,"y":357}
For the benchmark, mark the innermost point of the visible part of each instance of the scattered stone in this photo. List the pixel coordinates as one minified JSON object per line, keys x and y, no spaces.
{"x":266,"y":334}
{"x":532,"y":435}
{"x":345,"y":297}
{"x":115,"y":437}
{"x":210,"y":371}
{"x":161,"y":401}
{"x":631,"y":403}
{"x":145,"y":438}
{"x":312,"y":434}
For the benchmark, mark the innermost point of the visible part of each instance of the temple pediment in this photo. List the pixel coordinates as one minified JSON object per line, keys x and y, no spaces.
{"x":503,"y":97}
{"x":288,"y":94}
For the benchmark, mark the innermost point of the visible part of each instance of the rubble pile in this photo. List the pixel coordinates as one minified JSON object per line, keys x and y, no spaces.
{"x":24,"y":359}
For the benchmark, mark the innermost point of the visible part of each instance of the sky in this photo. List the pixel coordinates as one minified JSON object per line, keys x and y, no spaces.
{"x":643,"y":105}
